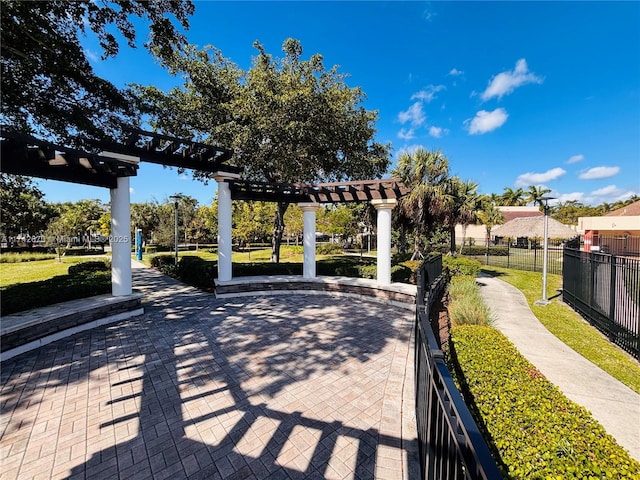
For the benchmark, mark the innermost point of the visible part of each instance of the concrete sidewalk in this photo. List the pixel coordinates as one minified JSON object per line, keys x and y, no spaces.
{"x":611,"y":403}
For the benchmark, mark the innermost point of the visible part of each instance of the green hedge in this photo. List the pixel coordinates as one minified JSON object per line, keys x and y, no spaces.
{"x":202,"y":273}
{"x":460,"y":266}
{"x":26,"y":296}
{"x":165,"y":263}
{"x":328,"y":248}
{"x":198,"y":272}
{"x":477,"y":250}
{"x":537,"y":432}
{"x":93,"y":266}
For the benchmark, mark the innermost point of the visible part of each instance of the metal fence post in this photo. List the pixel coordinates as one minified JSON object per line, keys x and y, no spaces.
{"x":612,"y":301}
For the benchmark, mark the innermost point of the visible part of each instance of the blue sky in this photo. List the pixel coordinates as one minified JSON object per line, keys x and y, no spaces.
{"x":514,"y":93}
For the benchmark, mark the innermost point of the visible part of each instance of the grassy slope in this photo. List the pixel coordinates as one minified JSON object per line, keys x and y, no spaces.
{"x":570,"y":327}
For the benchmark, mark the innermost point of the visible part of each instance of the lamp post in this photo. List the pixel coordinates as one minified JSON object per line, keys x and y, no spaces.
{"x":175,"y":199}
{"x":545,"y":256}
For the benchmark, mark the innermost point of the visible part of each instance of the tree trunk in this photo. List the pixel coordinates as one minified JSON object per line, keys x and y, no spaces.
{"x":278,"y":229}
{"x":452,"y":239}
{"x":464,"y":234}
{"x":417,"y":254}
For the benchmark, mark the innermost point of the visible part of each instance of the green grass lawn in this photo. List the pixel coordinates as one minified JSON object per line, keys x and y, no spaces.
{"x":570,"y":327}
{"x":25,"y":272}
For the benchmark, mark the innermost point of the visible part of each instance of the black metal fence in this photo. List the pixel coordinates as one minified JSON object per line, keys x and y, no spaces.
{"x":605,"y":289}
{"x":450,"y":443}
{"x":524,"y":255}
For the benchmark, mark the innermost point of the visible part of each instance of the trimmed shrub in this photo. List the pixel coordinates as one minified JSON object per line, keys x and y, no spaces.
{"x":401,"y":273}
{"x":367,"y":271}
{"x":535,"y":430}
{"x":197,"y":272}
{"x":26,"y":296}
{"x":413,"y":266}
{"x":478,"y":250}
{"x":150,"y":249}
{"x":265,"y":268}
{"x":93,"y":266}
{"x":80,"y":251}
{"x":456,"y":266}
{"x":328,"y":248}
{"x":166,"y":264}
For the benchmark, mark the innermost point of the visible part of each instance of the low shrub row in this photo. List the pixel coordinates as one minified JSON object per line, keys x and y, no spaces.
{"x":26,"y":296}
{"x":460,"y":266}
{"x":477,"y":250}
{"x":202,"y":273}
{"x":93,"y":266}
{"x":328,"y":248}
{"x":25,"y":257}
{"x":535,"y":430}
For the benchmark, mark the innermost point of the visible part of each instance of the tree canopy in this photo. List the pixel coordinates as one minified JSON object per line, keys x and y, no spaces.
{"x":287,"y":120}
{"x":48,"y":84}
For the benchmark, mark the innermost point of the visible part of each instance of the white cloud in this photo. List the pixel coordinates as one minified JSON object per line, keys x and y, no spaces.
{"x":599,"y":172}
{"x":91,"y":55}
{"x":567,"y":197}
{"x":184,"y":176}
{"x":575,"y":158}
{"x":531,"y":178}
{"x":428,"y":94}
{"x":414,"y":114}
{"x":604,"y":191}
{"x":406,"y":134}
{"x":485,"y":121}
{"x":437,"y":132}
{"x":410,"y":149}
{"x":505,"y":83}
{"x":454,"y":72}
{"x":131,"y":190}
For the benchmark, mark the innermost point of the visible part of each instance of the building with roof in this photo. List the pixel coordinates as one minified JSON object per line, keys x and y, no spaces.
{"x":617,"y":232}
{"x":477,"y":234}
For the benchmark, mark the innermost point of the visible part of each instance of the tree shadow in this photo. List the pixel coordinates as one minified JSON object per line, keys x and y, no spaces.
{"x":195,"y":386}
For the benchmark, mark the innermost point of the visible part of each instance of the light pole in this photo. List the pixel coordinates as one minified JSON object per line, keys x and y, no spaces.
{"x":175,"y":199}
{"x":545,"y":256}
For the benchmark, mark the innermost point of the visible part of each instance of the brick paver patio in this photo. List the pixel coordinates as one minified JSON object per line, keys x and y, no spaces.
{"x":277,"y":387}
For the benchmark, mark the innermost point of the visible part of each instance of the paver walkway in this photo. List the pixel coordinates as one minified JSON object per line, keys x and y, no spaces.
{"x":610,"y":402}
{"x":295,"y":387}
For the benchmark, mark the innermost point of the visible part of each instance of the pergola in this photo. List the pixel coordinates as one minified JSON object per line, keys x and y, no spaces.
{"x":109,"y":164}
{"x":383,"y":195}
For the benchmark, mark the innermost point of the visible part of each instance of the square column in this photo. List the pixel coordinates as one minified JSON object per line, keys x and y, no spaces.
{"x":384,"y":207}
{"x":224,"y":224}
{"x":309,"y":239}
{"x":121,"y":281}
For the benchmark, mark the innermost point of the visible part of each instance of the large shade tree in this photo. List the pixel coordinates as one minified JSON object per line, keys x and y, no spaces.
{"x":287,"y":120}
{"x":48,"y":84}
{"x":24,"y":209}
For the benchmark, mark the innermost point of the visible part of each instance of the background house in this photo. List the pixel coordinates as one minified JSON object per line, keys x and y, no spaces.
{"x":476,"y":234}
{"x":617,"y":232}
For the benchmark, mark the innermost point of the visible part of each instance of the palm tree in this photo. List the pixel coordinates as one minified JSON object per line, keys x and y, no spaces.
{"x":490,"y":216}
{"x":463,"y":206}
{"x":512,"y":197}
{"x":426,"y":175}
{"x":535,"y":194}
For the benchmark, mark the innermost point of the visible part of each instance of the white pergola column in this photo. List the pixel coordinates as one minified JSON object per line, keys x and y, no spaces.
{"x":309,"y":239}
{"x":121,"y":239}
{"x":224,"y":224}
{"x":384,"y":207}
